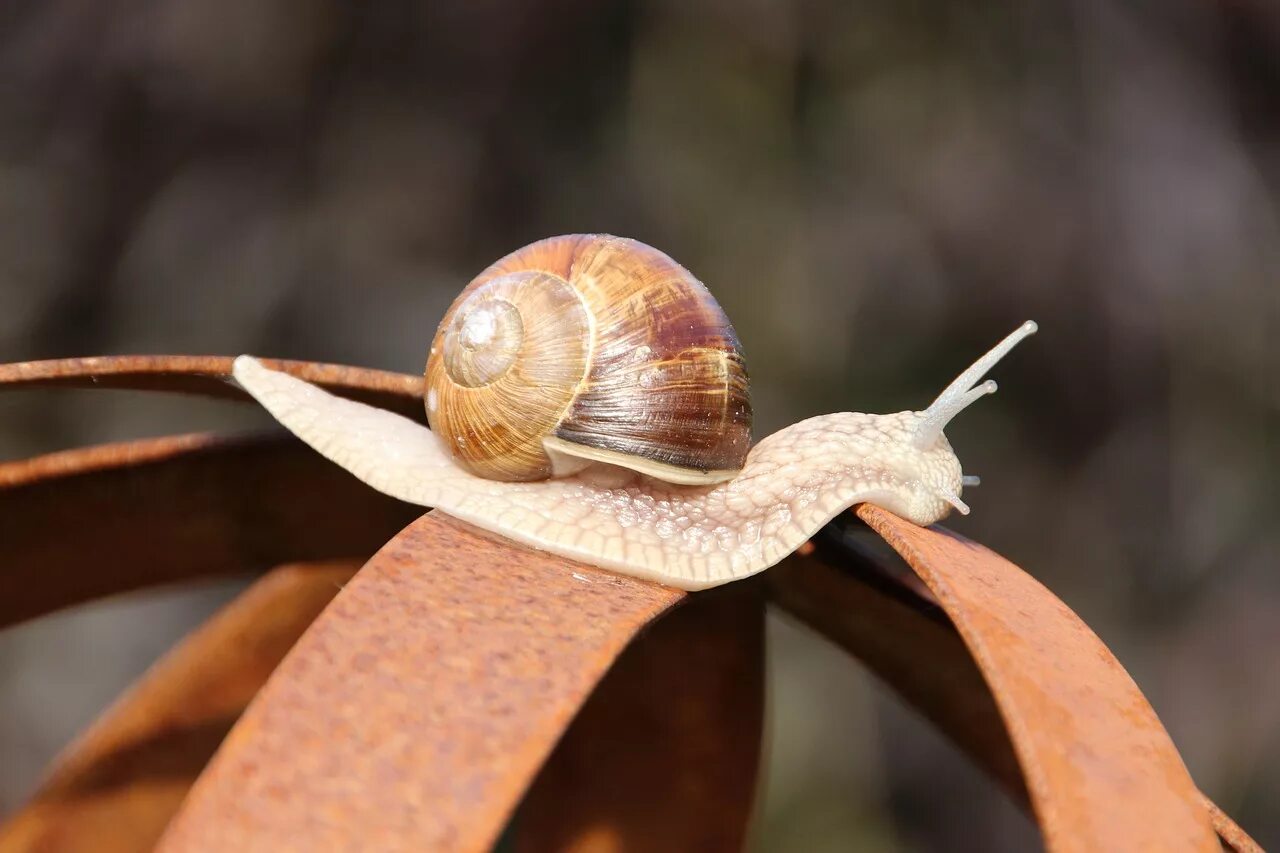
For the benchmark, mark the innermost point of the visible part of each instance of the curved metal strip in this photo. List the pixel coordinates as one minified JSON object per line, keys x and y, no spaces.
{"x":210,"y":376}
{"x":850,"y":594}
{"x":81,"y":524}
{"x":1100,"y":769}
{"x":116,"y":787}
{"x":418,"y":707}
{"x":664,"y":754}
{"x":1232,"y":836}
{"x":845,"y":594}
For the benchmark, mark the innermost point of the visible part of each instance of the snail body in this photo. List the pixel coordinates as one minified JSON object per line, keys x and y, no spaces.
{"x":694,"y":514}
{"x":589,"y":348}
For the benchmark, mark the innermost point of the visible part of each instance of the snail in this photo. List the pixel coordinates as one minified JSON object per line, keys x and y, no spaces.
{"x":633,"y":452}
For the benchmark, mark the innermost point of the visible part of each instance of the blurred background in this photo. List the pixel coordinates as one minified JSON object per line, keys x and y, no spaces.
{"x":876,"y":191}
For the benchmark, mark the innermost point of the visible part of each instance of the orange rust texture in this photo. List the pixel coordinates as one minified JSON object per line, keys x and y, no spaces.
{"x":1232,"y":836}
{"x":664,"y":754}
{"x":1101,"y":770}
{"x":908,"y":643}
{"x":81,"y":524}
{"x":117,"y":786}
{"x":418,"y":707}
{"x":210,"y":376}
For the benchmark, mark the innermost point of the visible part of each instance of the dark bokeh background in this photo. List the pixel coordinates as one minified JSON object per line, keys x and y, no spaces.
{"x":875,"y":190}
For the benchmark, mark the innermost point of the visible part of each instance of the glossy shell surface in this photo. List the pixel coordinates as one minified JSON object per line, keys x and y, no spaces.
{"x":599,"y":348}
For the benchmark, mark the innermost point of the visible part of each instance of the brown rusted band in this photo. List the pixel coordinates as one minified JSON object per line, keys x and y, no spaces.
{"x":1100,"y":769}
{"x":415,"y":712}
{"x":210,"y":376}
{"x":909,"y":642}
{"x":115,"y":789}
{"x":906,"y":641}
{"x":1232,"y":836}
{"x":81,"y":524}
{"x":664,"y":754}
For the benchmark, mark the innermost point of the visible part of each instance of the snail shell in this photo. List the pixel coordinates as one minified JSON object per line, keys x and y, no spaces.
{"x":589,"y":348}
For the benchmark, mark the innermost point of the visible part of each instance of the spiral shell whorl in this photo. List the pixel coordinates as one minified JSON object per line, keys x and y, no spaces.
{"x":504,"y":368}
{"x":483,"y":343}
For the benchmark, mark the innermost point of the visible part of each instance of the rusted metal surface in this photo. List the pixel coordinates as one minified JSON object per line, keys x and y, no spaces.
{"x":1232,"y":836}
{"x":117,"y":786}
{"x":81,"y":524}
{"x":853,"y":595}
{"x":209,"y":376}
{"x":905,"y":640}
{"x":1100,"y":769}
{"x":664,"y":755}
{"x":417,"y":709}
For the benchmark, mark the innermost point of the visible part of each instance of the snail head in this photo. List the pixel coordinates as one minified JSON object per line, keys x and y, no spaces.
{"x":937,"y":466}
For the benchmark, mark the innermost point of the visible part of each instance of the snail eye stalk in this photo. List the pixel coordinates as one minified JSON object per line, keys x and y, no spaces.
{"x":954,"y":500}
{"x":962,"y":393}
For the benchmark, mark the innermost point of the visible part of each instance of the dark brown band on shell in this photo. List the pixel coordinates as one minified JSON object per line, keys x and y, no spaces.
{"x":668,"y":382}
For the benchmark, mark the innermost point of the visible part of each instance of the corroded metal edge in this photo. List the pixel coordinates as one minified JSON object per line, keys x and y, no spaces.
{"x":905,"y":640}
{"x":82,"y":524}
{"x":116,"y":787}
{"x":1229,"y":832}
{"x":664,"y":754}
{"x":1099,"y":767}
{"x":210,"y":376}
{"x":854,"y":596}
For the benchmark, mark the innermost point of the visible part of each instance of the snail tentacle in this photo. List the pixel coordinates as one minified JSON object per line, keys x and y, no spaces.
{"x":954,"y":499}
{"x":961,"y":393}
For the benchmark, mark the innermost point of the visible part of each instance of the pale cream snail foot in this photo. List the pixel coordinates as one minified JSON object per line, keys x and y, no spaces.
{"x":588,"y":396}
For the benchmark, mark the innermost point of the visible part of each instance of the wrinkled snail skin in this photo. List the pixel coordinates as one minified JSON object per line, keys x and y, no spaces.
{"x":690,"y":537}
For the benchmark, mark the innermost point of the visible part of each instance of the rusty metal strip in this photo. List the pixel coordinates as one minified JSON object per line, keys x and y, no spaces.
{"x":664,"y":754}
{"x":1229,"y":832}
{"x":209,"y":375}
{"x":906,"y":641}
{"x":851,"y":594}
{"x":417,"y":709}
{"x":1100,"y":769}
{"x":81,"y":524}
{"x":115,"y":789}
